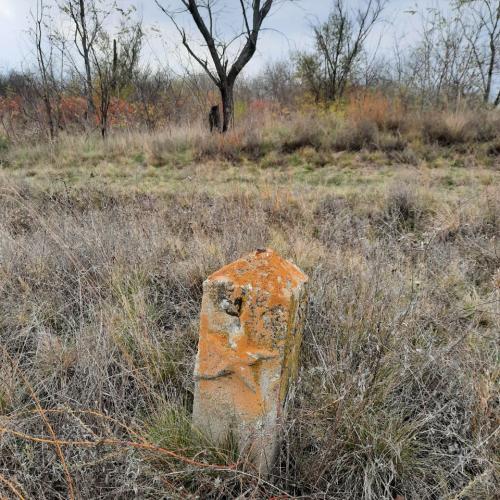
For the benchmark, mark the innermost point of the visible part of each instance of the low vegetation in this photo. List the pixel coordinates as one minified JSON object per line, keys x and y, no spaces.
{"x":104,"y":246}
{"x":312,"y":139}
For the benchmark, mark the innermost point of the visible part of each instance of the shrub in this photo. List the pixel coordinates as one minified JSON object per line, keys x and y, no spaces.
{"x":403,"y":211}
{"x":406,"y":156}
{"x":255,"y":146}
{"x":391,"y":142}
{"x":4,"y":144}
{"x":355,"y":136}
{"x":304,"y":132}
{"x":486,"y":127}
{"x":386,"y":113}
{"x":447,"y":129}
{"x":176,"y":148}
{"x":494,"y":148}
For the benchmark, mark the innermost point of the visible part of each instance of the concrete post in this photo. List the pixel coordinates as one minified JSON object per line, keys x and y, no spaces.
{"x":251,"y":325}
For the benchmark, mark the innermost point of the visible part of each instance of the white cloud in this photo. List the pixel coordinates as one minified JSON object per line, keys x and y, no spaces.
{"x":6,"y":11}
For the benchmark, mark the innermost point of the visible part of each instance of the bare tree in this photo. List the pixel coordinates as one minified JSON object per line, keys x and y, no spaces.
{"x":278,"y":82}
{"x":87,"y":17}
{"x":483,"y":16}
{"x":115,"y":66}
{"x":45,"y":67}
{"x":310,"y":73}
{"x":440,"y":66}
{"x":340,"y":42}
{"x":222,"y":73}
{"x":153,"y":90}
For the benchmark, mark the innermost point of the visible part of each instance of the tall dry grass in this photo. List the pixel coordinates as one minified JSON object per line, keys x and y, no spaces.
{"x":366,"y":123}
{"x":99,"y":299}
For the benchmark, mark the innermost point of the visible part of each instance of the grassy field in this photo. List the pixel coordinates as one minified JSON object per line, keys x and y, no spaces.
{"x":103,"y":251}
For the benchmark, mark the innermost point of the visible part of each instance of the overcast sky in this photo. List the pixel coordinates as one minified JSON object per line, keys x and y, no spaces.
{"x":288,"y":28}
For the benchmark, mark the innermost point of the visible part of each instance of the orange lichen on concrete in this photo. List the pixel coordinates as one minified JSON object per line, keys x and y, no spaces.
{"x":251,"y":326}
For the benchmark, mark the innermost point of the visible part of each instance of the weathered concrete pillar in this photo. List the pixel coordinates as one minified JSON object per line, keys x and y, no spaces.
{"x":252,"y":317}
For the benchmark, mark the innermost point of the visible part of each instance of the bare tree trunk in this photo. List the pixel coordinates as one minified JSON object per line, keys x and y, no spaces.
{"x":89,"y":90}
{"x":227,"y":95}
{"x":50,"y":119}
{"x":44,"y":72}
{"x":46,"y":96}
{"x":491,"y":68}
{"x":107,"y":90}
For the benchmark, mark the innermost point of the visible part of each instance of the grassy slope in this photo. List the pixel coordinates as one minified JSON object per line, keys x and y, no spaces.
{"x":103,"y":249}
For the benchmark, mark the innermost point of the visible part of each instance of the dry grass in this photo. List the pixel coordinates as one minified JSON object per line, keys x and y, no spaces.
{"x":460,"y":128}
{"x":365,"y":125}
{"x":100,"y":289}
